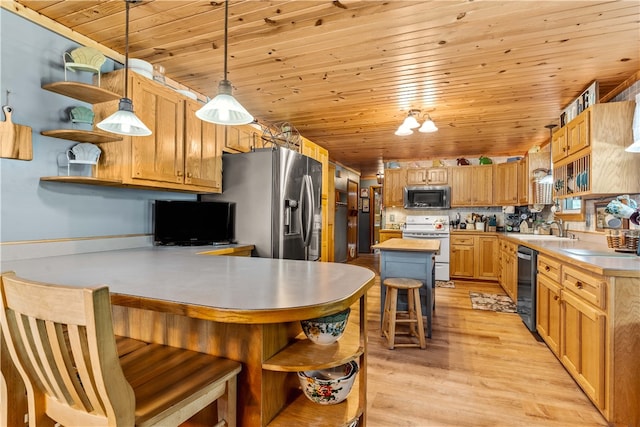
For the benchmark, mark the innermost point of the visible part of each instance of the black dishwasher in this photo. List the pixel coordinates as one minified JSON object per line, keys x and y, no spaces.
{"x":527,"y":270}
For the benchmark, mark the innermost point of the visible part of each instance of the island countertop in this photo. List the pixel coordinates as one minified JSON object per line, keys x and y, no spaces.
{"x":220,"y":288}
{"x":413,"y":245}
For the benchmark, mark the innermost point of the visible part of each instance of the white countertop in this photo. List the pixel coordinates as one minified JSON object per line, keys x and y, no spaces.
{"x":612,"y":264}
{"x":179,"y":275}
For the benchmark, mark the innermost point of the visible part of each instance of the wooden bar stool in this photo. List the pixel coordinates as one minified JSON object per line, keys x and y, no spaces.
{"x":414,"y":312}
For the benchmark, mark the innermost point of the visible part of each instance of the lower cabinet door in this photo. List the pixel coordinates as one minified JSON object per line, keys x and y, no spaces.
{"x":462,"y":261}
{"x":583,"y":346}
{"x":548,"y":310}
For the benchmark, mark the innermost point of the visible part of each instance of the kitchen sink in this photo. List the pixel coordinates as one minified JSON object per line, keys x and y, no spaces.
{"x":592,"y":252}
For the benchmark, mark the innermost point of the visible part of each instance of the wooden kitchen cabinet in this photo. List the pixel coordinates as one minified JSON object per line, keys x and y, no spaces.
{"x":583,"y":318}
{"x":582,"y":349}
{"x":203,"y":160}
{"x":487,"y":263}
{"x":427,"y":176}
{"x":462,"y":257}
{"x":559,"y":149}
{"x":548,"y":306}
{"x":473,"y":256}
{"x":472,"y":186}
{"x":508,"y":270}
{"x":393,"y":190}
{"x":390,"y":234}
{"x":594,"y":162}
{"x":505,"y":189}
{"x":524,"y":182}
{"x":182,"y":153}
{"x":240,"y":139}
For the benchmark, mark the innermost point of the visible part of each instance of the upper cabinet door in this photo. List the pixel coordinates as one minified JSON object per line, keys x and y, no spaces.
{"x":159,"y":156}
{"x":202,"y":149}
{"x":559,"y":144}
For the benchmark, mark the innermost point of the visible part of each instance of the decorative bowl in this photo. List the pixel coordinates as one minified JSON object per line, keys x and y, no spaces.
{"x":327,"y":329}
{"x":329,"y":386}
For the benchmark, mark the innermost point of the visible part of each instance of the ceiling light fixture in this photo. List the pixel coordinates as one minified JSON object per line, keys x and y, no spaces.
{"x":124,"y":121}
{"x":224,"y":109}
{"x":635,"y":127}
{"x":410,"y":123}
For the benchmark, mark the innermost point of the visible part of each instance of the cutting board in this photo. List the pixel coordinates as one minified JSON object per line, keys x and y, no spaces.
{"x":15,"y":140}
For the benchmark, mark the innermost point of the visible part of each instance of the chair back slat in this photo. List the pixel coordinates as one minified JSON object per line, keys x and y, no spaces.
{"x":80,"y":351}
{"x":63,"y":337}
{"x":66,"y":366}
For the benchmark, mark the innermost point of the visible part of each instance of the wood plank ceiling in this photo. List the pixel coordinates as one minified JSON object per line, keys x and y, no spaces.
{"x":345,"y":73}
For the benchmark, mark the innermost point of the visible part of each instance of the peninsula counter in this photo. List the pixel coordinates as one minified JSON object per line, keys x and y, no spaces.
{"x":246,"y":309}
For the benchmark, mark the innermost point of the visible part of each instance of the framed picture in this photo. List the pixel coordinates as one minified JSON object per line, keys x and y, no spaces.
{"x":365,"y":205}
{"x":364,"y":193}
{"x":601,"y":218}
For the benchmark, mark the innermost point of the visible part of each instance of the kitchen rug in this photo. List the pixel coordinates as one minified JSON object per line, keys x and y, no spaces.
{"x":493,"y":302}
{"x":445,"y":284}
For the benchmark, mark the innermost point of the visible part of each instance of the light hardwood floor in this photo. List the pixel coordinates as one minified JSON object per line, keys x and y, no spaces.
{"x":480,"y":368}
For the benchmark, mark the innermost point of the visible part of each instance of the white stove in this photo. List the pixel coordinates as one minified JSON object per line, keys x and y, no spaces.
{"x":431,"y":227}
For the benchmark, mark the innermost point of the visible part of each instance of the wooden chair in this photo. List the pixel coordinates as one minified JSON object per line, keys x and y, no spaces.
{"x":61,"y":340}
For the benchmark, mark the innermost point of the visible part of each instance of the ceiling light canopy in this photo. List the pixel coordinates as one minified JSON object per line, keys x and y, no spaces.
{"x":124,"y":121}
{"x":224,"y":109}
{"x":410,"y":123}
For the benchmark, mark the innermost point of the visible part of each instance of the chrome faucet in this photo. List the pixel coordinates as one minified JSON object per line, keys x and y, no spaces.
{"x":560,"y":225}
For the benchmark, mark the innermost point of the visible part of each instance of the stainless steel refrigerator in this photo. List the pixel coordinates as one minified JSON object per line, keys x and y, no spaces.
{"x":277,"y":193}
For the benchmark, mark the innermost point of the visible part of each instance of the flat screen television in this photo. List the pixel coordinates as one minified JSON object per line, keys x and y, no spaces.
{"x":192,"y":223}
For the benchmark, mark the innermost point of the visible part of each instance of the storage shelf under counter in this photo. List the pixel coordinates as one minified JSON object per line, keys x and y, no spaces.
{"x":304,"y":355}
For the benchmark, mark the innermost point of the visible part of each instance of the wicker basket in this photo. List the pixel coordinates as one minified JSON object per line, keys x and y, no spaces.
{"x":543,"y":193}
{"x":624,"y":240}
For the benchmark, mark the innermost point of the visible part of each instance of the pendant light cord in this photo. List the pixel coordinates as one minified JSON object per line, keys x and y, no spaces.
{"x":226,"y":26}
{"x":126,"y":52}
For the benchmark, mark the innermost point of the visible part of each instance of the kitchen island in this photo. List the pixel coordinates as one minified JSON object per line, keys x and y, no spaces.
{"x":245,"y":309}
{"x":413,"y":259}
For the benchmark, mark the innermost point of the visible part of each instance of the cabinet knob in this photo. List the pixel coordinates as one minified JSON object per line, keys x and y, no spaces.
{"x":579,"y":285}
{"x":547,"y":268}
{"x":179,"y":173}
{"x":556,"y":297}
{"x":189,"y":175}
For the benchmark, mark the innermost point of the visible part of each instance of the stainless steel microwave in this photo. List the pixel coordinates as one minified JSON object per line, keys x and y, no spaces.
{"x":427,"y":197}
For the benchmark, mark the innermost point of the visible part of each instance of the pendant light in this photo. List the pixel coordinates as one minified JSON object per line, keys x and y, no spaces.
{"x":124,"y":121}
{"x":224,"y":109}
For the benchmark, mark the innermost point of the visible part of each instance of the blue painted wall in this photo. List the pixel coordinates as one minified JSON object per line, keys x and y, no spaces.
{"x":29,"y":209}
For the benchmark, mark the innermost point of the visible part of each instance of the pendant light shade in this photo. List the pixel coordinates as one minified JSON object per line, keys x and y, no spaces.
{"x":428,"y":125}
{"x":124,"y":121}
{"x":410,"y":122}
{"x":403,"y":131}
{"x":224,"y":109}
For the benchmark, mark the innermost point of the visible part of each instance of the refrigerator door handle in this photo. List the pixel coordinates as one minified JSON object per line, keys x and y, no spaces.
{"x":308,"y":202}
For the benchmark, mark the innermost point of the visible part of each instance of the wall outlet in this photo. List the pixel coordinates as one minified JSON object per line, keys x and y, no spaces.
{"x":392,"y":218}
